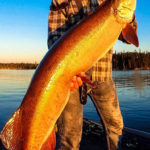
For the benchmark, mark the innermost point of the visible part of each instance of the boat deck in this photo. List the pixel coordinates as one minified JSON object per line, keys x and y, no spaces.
{"x":93,"y":138}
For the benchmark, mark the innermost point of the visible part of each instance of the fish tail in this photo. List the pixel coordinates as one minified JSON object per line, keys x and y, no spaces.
{"x":11,"y":133}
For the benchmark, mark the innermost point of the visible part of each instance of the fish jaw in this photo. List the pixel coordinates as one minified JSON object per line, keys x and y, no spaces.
{"x":124,"y":10}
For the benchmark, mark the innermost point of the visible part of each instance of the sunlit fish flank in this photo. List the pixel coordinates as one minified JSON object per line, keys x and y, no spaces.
{"x":31,"y":126}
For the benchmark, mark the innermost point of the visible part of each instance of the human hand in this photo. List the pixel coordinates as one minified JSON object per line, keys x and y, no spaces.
{"x":77,"y":81}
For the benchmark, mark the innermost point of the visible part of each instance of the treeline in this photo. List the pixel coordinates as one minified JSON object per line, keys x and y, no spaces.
{"x":121,"y":61}
{"x":18,"y":65}
{"x":131,"y":61}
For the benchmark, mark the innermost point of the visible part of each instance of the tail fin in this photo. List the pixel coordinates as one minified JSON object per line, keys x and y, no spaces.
{"x":11,"y":133}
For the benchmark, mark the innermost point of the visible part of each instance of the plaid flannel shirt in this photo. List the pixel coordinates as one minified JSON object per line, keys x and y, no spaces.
{"x":61,"y":19}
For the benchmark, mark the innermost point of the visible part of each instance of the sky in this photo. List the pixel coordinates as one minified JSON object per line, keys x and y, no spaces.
{"x":24,"y":27}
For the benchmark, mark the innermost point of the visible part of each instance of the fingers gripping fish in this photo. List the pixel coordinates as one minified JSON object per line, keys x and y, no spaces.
{"x":31,"y":126}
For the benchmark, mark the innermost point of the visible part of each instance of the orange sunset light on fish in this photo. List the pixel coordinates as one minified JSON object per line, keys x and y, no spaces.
{"x":32,"y":128}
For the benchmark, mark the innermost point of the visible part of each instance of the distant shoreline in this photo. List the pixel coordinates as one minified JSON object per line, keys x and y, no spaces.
{"x":135,"y":69}
{"x":120,"y":61}
{"x":29,"y":66}
{"x":18,"y":66}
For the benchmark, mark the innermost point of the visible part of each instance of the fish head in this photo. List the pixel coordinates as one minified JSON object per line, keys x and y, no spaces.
{"x":124,"y":13}
{"x":124,"y":10}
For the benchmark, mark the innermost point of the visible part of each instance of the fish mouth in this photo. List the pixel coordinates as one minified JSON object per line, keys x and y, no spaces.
{"x":124,"y":10}
{"x":124,"y":14}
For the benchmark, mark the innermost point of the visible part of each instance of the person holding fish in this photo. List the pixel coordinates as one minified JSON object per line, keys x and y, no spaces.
{"x":63,"y":15}
{"x":73,"y":50}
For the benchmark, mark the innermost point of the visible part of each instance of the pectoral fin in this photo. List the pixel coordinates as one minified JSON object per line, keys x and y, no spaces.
{"x":130,"y":35}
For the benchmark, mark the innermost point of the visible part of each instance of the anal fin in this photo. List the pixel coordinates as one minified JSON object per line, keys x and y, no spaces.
{"x":50,"y":143}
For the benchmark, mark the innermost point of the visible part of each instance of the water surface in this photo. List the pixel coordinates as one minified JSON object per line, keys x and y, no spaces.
{"x":133,"y":89}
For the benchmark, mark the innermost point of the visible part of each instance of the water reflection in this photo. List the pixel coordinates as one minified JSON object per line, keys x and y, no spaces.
{"x":132,"y":79}
{"x":13,"y":85}
{"x":133,"y":89}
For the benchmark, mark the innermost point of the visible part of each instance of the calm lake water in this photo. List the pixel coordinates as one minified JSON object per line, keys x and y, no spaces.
{"x":133,"y":89}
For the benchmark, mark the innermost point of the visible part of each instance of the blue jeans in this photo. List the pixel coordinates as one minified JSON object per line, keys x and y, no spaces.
{"x":105,"y":100}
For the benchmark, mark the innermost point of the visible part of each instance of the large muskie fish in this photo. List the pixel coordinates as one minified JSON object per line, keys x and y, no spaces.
{"x":31,"y":126}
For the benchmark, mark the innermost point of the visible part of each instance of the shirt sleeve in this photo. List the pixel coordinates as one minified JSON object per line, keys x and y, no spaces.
{"x":101,"y":1}
{"x":59,"y":2}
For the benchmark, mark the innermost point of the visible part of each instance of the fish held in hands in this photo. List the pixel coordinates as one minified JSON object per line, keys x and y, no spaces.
{"x":31,"y":126}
